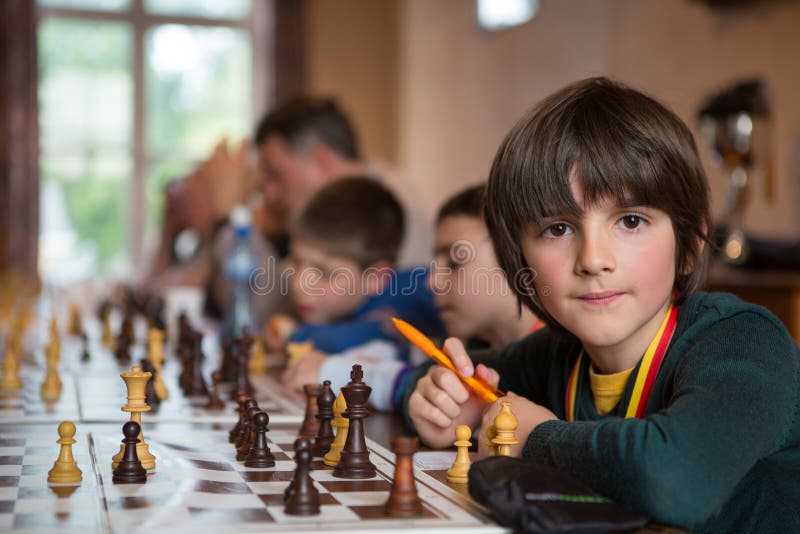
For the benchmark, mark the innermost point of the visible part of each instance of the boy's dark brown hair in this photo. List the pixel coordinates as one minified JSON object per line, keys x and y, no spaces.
{"x":468,"y":202}
{"x":620,"y":144}
{"x":355,"y":218}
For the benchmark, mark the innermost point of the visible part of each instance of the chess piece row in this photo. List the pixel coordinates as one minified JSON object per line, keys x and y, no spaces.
{"x":237,"y":355}
{"x":500,"y":438}
{"x":249,"y":435}
{"x":10,"y":380}
{"x":150,"y":306}
{"x":347,"y":452}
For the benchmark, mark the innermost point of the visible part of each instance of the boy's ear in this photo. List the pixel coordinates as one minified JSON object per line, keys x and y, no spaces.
{"x":702,"y":241}
{"x":377,"y":276}
{"x":701,"y":245}
{"x":324,"y":157}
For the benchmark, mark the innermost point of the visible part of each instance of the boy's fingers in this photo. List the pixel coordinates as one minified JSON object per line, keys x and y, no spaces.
{"x":427,"y":411}
{"x":481,"y":444}
{"x":458,"y":355}
{"x":444,"y":403}
{"x":488,"y":374}
{"x":438,"y":396}
{"x":446,"y":380}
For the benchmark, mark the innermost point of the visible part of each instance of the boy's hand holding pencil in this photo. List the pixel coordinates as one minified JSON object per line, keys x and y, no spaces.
{"x":485,"y":390}
{"x":441,"y":401}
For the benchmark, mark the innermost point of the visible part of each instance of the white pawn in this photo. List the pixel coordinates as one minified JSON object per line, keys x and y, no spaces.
{"x":341,"y":424}
{"x":10,"y":375}
{"x":505,"y":423}
{"x":65,"y":468}
{"x":491,"y":448}
{"x":258,"y":361}
{"x":155,"y":341}
{"x":51,"y":387}
{"x":460,"y":468}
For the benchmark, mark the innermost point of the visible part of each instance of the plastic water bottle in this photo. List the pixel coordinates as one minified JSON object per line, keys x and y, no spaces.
{"x":241,"y":261}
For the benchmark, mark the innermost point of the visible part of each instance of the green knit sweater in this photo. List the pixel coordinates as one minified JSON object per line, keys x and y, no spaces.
{"x":719,"y":447}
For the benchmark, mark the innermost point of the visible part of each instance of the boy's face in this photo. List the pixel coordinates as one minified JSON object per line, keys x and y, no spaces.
{"x":469,"y":288}
{"x":607,"y":276}
{"x":324,"y":288}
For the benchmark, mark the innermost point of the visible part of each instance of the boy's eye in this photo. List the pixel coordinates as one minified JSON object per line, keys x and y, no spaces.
{"x":556,"y":230}
{"x":632,"y":221}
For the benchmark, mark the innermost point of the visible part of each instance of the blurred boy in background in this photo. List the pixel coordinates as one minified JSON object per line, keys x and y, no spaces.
{"x":345,"y":289}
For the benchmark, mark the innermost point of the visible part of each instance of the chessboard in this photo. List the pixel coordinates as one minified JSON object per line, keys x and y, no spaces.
{"x":94,"y":392}
{"x":198,"y":484}
{"x":27,"y":405}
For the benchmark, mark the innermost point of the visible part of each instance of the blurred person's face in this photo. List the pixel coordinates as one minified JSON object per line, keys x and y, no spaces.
{"x":290,"y":178}
{"x":470,"y":290}
{"x":324,"y":288}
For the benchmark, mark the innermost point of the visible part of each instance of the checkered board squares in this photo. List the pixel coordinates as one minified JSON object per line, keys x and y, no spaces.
{"x":26,"y":405}
{"x":199,"y":486}
{"x":102,"y":395}
{"x":27,"y":502}
{"x":94,"y":392}
{"x":198,"y":482}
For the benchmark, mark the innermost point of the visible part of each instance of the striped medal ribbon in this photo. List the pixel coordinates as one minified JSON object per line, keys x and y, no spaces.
{"x":645,"y":376}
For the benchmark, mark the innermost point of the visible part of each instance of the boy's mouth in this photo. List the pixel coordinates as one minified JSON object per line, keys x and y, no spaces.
{"x":600,"y":298}
{"x":444,"y":308}
{"x":304,"y":309}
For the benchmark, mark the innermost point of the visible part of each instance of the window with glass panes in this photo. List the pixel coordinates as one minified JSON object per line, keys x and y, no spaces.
{"x":132,"y":94}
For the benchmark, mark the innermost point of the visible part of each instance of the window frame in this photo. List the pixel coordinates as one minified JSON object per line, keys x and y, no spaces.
{"x":259,"y":23}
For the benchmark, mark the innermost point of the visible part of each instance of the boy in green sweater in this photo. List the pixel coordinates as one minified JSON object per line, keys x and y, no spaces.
{"x":680,"y":404}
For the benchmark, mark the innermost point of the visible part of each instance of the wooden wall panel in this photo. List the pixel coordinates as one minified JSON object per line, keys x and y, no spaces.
{"x":19,"y":138}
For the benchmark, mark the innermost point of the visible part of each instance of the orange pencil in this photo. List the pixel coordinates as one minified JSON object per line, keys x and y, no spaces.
{"x":479,"y":387}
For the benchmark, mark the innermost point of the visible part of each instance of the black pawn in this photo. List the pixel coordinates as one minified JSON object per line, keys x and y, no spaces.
{"x":304,"y":497}
{"x":228,"y":367}
{"x":130,"y":470}
{"x":244,"y":346}
{"x":300,"y":444}
{"x":196,"y":385}
{"x":233,"y":435}
{"x":322,"y":443}
{"x":85,"y":356}
{"x":154,"y":311}
{"x":249,"y":436}
{"x":214,"y":402}
{"x":150,"y":397}
{"x":125,"y":339}
{"x":260,"y":455}
{"x":185,"y":357}
{"x":244,"y":428}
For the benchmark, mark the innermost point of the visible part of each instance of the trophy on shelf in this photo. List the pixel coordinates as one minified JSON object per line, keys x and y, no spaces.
{"x":735,"y":124}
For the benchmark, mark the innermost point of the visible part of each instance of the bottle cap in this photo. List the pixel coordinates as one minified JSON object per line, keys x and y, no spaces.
{"x":240,"y":216}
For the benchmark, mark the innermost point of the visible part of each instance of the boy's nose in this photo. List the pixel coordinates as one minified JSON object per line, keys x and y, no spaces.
{"x":435,"y":279}
{"x":595,"y":255}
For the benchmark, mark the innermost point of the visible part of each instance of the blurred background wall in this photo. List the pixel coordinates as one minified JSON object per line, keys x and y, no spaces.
{"x":433,"y":94}
{"x":133,"y":93}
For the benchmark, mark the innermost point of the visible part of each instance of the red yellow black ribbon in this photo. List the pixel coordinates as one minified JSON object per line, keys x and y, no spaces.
{"x":645,"y":377}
